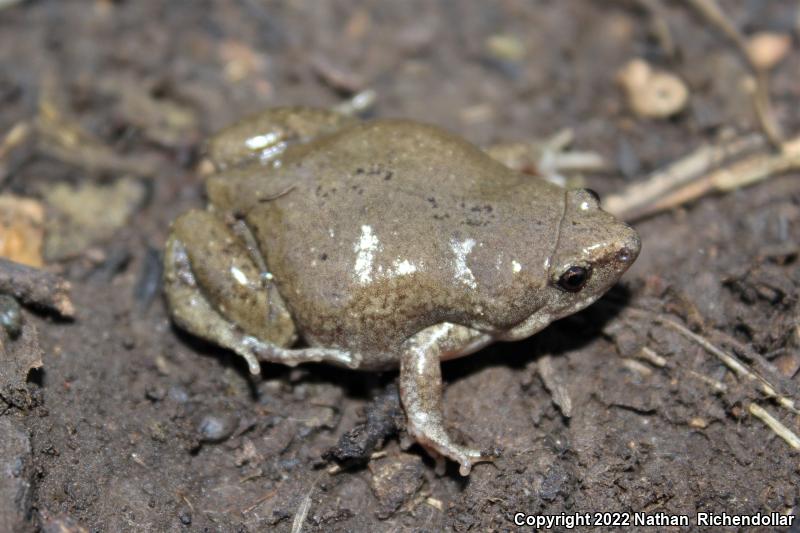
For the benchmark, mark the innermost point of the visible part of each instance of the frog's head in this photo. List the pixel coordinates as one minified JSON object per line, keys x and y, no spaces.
{"x":592,"y":250}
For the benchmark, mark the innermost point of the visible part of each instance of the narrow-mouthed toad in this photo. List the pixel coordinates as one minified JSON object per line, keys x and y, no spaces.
{"x":379,"y":244}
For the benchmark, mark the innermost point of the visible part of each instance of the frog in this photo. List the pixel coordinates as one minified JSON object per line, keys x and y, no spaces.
{"x":382,"y":244}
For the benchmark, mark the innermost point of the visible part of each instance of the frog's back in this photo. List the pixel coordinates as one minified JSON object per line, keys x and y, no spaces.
{"x":391,"y":226}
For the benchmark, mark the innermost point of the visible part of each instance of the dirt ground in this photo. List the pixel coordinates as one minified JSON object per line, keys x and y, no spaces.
{"x":131,"y":425}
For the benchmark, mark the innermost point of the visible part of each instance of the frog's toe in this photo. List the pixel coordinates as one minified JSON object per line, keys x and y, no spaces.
{"x":471,"y":457}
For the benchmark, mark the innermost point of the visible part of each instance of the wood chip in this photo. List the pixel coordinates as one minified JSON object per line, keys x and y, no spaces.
{"x":36,"y":287}
{"x":21,"y":230}
{"x":555,"y":383}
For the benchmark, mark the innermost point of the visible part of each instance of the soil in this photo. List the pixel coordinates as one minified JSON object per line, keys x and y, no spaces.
{"x":132,"y":425}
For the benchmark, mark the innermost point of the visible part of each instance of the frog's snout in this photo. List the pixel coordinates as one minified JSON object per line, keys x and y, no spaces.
{"x":630,"y":248}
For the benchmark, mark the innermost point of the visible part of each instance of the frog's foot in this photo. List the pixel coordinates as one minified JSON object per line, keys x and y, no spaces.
{"x":439,"y":448}
{"x":265,"y":351}
{"x":421,"y":394}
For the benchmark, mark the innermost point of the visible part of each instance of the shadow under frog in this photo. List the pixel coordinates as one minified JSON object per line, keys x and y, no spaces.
{"x":378,"y":244}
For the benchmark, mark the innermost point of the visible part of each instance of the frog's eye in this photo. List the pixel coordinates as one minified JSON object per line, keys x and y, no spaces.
{"x":574,"y":278}
{"x":593,"y":194}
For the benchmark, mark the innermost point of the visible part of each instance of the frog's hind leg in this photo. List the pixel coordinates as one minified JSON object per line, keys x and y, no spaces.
{"x":205,"y":261}
{"x":247,"y":156}
{"x":421,"y":390}
{"x":264,"y":136}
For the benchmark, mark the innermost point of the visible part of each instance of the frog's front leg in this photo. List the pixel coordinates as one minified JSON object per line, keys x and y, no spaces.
{"x":421,"y":391}
{"x":216,"y":291}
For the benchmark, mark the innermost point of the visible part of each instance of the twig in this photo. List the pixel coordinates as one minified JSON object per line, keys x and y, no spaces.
{"x":15,"y":136}
{"x":36,"y":287}
{"x":753,"y":169}
{"x":713,"y":14}
{"x":19,"y":135}
{"x":59,"y":135}
{"x":740,"y":369}
{"x":634,"y":201}
{"x":718,"y":386}
{"x":636,"y":366}
{"x":261,"y":499}
{"x":651,"y":357}
{"x":303,"y":508}
{"x":555,"y":384}
{"x":731,"y":362}
{"x":775,"y":425}
{"x":547,"y":157}
{"x":689,"y":178}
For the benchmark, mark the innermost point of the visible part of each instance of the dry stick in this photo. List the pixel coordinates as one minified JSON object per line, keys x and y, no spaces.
{"x":305,"y":505}
{"x":36,"y":287}
{"x":261,"y":499}
{"x":717,"y":385}
{"x":739,"y":174}
{"x":775,"y":425}
{"x":634,"y":201}
{"x":555,"y":385}
{"x":713,"y":14}
{"x":651,"y":357}
{"x":20,"y":132}
{"x":18,"y":135}
{"x":739,"y":368}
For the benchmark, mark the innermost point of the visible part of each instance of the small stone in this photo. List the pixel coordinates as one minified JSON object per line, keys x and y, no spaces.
{"x":215,"y":428}
{"x":185,"y":517}
{"x":395,"y":481}
{"x":506,"y":47}
{"x":788,"y":364}
{"x":155,"y":393}
{"x":10,"y":316}
{"x":555,"y":482}
{"x":652,"y":93}
{"x":178,"y":394}
{"x":767,"y":49}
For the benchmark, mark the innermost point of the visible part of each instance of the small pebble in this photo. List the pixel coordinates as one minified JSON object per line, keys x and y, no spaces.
{"x":10,"y":316}
{"x":652,"y":93}
{"x":185,"y":517}
{"x":767,"y":49}
{"x":178,"y":394}
{"x":216,"y":428}
{"x":155,"y":393}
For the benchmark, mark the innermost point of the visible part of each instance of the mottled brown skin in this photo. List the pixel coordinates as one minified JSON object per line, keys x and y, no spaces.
{"x":380,"y":244}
